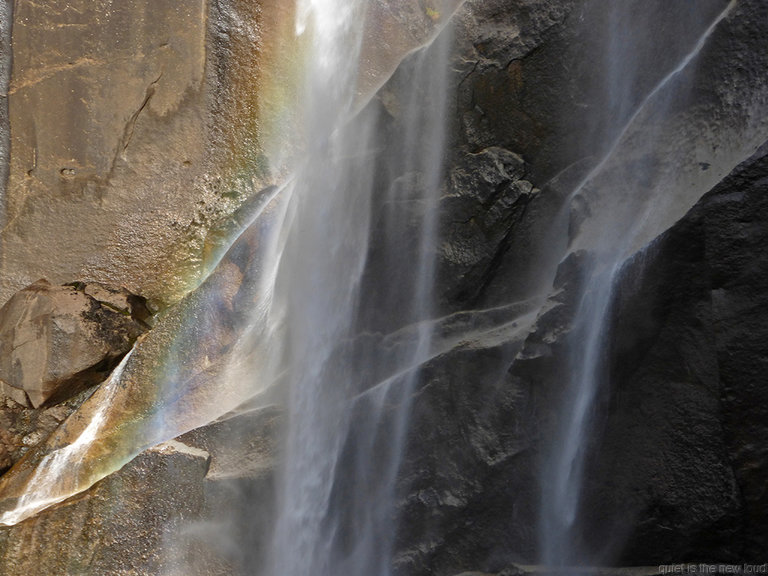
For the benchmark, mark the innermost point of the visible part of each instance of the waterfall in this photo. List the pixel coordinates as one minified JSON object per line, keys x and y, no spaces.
{"x":354,"y":194}
{"x":635,"y":193}
{"x":324,"y":310}
{"x":281,"y":317}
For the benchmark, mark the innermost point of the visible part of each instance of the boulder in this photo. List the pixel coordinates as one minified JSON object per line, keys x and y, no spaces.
{"x":57,"y":340}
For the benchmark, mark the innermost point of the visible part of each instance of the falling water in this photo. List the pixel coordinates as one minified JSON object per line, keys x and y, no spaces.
{"x":648,"y":190}
{"x":286,"y":303}
{"x":56,"y":462}
{"x":354,"y":195}
{"x":353,"y":267}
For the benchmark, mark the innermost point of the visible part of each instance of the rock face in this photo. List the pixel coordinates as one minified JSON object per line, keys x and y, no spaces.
{"x":131,"y":125}
{"x":684,"y":440}
{"x":486,"y":200}
{"x":183,"y":508}
{"x":241,"y":480}
{"x":22,"y":428}
{"x":678,"y":451}
{"x":57,"y":340}
{"x":485,"y":417}
{"x":92,"y":126}
{"x":121,"y":526}
{"x":6,"y":8}
{"x":679,"y":445}
{"x":155,"y":116}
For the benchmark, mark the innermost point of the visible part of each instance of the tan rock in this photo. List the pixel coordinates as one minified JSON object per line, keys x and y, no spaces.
{"x":134,"y":523}
{"x":107,"y":122}
{"x":23,"y":427}
{"x":56,"y":340}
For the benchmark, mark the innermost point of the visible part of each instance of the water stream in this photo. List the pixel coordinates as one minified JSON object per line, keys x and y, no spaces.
{"x":281,"y":308}
{"x":631,"y":194}
{"x":354,"y":195}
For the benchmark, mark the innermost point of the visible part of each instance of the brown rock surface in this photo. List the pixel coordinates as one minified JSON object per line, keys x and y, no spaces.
{"x":22,"y":428}
{"x":130,"y":524}
{"x":56,"y":340}
{"x":105,"y":99}
{"x":137,"y":127}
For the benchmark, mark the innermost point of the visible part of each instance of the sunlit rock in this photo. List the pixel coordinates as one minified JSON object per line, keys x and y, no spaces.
{"x":105,"y":101}
{"x":22,"y":428}
{"x":133,"y":523}
{"x":527,"y":80}
{"x":57,"y":340}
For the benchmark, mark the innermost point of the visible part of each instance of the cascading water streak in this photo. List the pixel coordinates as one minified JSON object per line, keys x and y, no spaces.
{"x":355,"y":193}
{"x":283,"y":297}
{"x":611,"y":240}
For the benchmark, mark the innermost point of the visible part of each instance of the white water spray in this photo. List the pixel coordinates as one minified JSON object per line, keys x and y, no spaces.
{"x":345,"y":436}
{"x":614,"y":233}
{"x":55,"y":465}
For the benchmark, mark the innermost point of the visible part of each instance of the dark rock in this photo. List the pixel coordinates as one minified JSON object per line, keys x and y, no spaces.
{"x":480,"y":417}
{"x":57,"y":340}
{"x":679,"y":464}
{"x":680,"y":453}
{"x":678,"y":445}
{"x":486,"y":199}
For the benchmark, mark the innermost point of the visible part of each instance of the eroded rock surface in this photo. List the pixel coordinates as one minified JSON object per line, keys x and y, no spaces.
{"x":57,"y":340}
{"x":133,"y":524}
{"x":104,"y":98}
{"x":487,"y":197}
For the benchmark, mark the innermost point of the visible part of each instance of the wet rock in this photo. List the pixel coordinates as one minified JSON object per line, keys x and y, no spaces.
{"x":474,"y":503}
{"x":57,"y":340}
{"x":242,"y":444}
{"x":678,"y":448}
{"x":241,"y":480}
{"x":683,"y":447}
{"x":22,"y":428}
